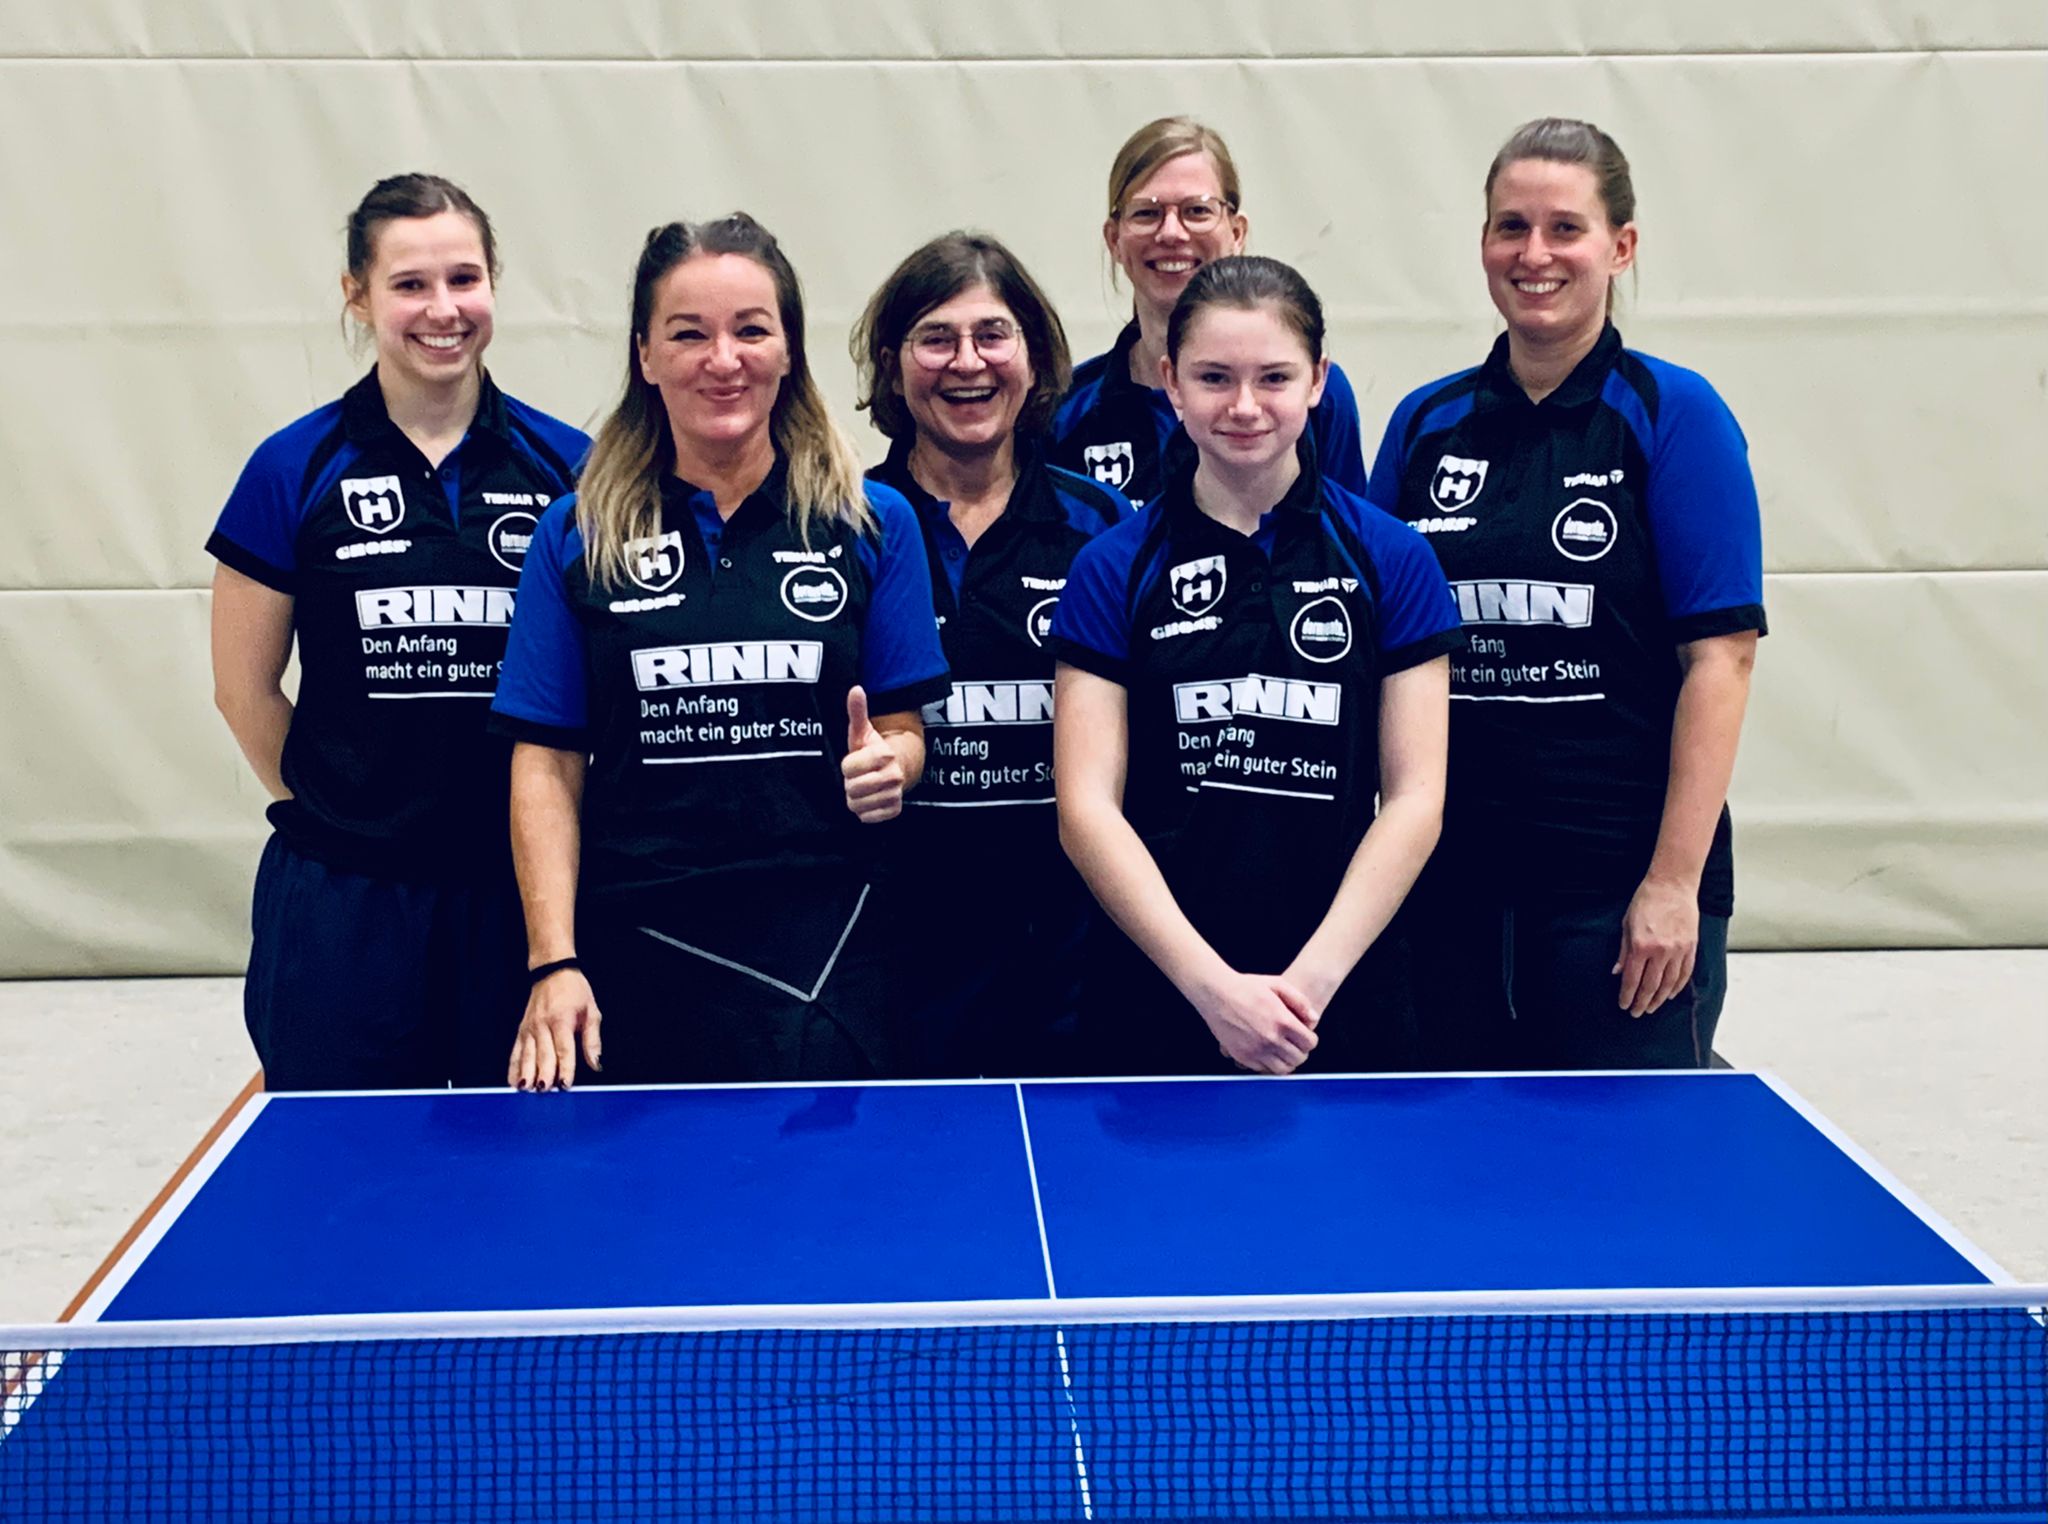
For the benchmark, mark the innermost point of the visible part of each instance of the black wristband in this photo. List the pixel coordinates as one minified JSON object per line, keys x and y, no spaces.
{"x":535,"y":975}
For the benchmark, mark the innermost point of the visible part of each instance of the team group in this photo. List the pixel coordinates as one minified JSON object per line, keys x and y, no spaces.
{"x":1119,"y":722}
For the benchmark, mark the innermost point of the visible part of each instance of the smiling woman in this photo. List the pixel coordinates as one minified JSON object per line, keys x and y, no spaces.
{"x":387,"y":950}
{"x":960,"y":358}
{"x":1173,"y":210}
{"x":1599,"y":708}
{"x":714,"y":681}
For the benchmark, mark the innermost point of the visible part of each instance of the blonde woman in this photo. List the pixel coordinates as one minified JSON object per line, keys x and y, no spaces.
{"x":1174,"y":208}
{"x":713,"y":683}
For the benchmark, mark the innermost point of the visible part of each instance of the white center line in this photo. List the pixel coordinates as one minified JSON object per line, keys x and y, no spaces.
{"x":1059,"y":1334}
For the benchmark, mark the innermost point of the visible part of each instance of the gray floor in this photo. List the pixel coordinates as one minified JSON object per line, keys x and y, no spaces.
{"x":1934,"y":1062}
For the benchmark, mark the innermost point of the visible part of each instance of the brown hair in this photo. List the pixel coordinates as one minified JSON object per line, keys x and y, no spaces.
{"x":619,"y":493}
{"x":1562,"y":140}
{"x":413,"y":195}
{"x":1247,"y":282}
{"x":1168,"y":138}
{"x":931,"y":276}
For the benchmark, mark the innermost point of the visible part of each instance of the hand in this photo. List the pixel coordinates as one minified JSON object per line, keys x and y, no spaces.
{"x":544,"y":1052}
{"x":1261,"y":1022}
{"x":1660,"y":936}
{"x":871,"y":768}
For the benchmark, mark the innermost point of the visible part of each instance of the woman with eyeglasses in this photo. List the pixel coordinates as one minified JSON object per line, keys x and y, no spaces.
{"x":713,"y":682}
{"x":1173,"y":208}
{"x":961,"y":358}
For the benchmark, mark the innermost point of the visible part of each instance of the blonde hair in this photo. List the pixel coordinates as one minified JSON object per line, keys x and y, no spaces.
{"x":618,"y":497}
{"x":1169,"y":138}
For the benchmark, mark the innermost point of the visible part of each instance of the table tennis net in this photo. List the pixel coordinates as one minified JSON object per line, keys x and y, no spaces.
{"x":1916,"y":1413}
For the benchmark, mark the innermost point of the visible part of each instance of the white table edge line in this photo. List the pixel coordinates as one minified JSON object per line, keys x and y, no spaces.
{"x":1932,"y":1220}
{"x":166,"y":1216}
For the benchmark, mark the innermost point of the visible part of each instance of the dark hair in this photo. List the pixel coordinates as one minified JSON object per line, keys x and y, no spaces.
{"x":1247,"y":282}
{"x":1562,"y":140}
{"x":619,"y":488}
{"x":929,"y":277}
{"x":410,"y":196}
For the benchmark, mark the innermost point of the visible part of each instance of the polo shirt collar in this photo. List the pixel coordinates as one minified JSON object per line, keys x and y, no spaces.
{"x":365,"y":419}
{"x":1304,"y":499}
{"x":1031,"y":496}
{"x":1499,"y":388}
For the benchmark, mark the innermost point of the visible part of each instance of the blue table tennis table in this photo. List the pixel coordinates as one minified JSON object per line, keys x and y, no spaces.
{"x":1641,"y":1296}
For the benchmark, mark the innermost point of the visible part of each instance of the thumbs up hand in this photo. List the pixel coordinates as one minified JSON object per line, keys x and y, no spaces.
{"x":872,"y":769}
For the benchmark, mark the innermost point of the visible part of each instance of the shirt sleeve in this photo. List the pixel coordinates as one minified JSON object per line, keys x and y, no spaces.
{"x":1383,"y":488}
{"x":1703,"y":513}
{"x":1416,"y":617}
{"x":1340,"y":447}
{"x":902,"y":664}
{"x":1090,"y":627}
{"x":542,"y":693}
{"x":258,"y":528}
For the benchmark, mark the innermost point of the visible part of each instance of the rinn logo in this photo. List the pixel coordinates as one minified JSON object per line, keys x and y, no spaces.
{"x":380,"y":607}
{"x":993,"y":704}
{"x":739,"y":661}
{"x":1565,"y":603}
{"x":1270,"y":698}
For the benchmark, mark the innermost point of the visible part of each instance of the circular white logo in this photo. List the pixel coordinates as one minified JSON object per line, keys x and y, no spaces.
{"x":1038,"y":623}
{"x":1322,"y":630}
{"x":511,"y":534}
{"x":815,"y":593}
{"x":1584,"y":531}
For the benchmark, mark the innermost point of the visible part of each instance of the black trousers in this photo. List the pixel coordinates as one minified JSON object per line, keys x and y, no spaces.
{"x":359,"y":983}
{"x":1528,"y":984}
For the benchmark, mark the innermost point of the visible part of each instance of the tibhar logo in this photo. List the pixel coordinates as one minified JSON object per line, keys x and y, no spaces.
{"x":1197,"y":586}
{"x":1270,"y":698}
{"x":374,"y":504}
{"x":1457,"y":483}
{"x":511,"y":535}
{"x":815,"y":593}
{"x":1110,"y":464}
{"x":1585,"y":531}
{"x":656,"y":561}
{"x":1322,"y":630}
{"x":378,"y":607}
{"x":1565,"y":603}
{"x":739,"y":661}
{"x":1038,"y":623}
{"x":1028,"y":703}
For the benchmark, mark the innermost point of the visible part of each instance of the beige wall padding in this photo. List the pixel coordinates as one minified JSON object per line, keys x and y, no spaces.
{"x":1841,"y":227}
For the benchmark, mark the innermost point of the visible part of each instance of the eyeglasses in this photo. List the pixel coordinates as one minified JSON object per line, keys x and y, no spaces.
{"x":935,"y":347}
{"x":1198,"y":214}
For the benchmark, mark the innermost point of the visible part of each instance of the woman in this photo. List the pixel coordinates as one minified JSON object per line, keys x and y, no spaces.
{"x":961,"y":359}
{"x":1173,"y":209}
{"x":1594,"y":510}
{"x":722,"y":645}
{"x":383,"y":533}
{"x":1242,"y":667}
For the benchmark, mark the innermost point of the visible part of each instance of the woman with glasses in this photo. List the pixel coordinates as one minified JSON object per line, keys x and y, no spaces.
{"x":1594,"y":509}
{"x":1173,"y":208}
{"x":961,"y":358}
{"x":721,"y":647}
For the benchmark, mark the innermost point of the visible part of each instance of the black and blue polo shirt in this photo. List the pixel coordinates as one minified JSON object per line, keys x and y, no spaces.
{"x":1115,"y":431}
{"x":402,"y":576}
{"x":1585,"y":537}
{"x":1252,"y":667}
{"x":709,"y":691}
{"x":988,"y":742}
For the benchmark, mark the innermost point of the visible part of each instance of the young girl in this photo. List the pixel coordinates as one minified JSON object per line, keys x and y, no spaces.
{"x":1244,"y":668}
{"x":384,"y":534}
